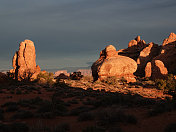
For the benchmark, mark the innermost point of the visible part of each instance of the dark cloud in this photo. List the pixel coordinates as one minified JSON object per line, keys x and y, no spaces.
{"x":73,"y":32}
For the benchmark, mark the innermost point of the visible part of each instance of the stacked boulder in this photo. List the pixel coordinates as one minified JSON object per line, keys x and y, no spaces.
{"x":24,"y":64}
{"x":165,"y":62}
{"x":134,"y":48}
{"x":145,"y":56}
{"x":111,"y":64}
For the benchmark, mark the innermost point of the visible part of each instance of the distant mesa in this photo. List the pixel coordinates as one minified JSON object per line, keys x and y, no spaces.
{"x":24,"y":64}
{"x":65,"y":74}
{"x":112,"y":64}
{"x":57,"y":73}
{"x":85,"y":72}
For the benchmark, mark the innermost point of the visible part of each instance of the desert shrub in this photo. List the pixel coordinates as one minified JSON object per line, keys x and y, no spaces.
{"x":39,"y":126}
{"x":1,"y":114}
{"x":111,"y":80}
{"x":110,"y":116}
{"x":14,"y":127}
{"x":73,"y":101}
{"x":79,"y":110}
{"x":86,"y":116}
{"x":63,"y":127}
{"x":115,"y":129}
{"x":87,"y":78}
{"x":161,"y":84}
{"x":61,"y":83}
{"x":123,"y":80}
{"x":22,"y":115}
{"x":30,"y":102}
{"x":162,"y":107}
{"x":167,"y":85}
{"x":170,"y":128}
{"x":45,"y":115}
{"x":45,"y":107}
{"x":18,"y":91}
{"x":76,"y":75}
{"x":45,"y":78}
{"x":93,"y":129}
{"x":11,"y":106}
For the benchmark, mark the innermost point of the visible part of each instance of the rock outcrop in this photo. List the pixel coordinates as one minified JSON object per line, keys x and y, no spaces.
{"x":170,"y":39}
{"x":146,"y":55}
{"x":134,"y":48}
{"x":112,"y":64}
{"x":24,"y":63}
{"x":165,"y":62}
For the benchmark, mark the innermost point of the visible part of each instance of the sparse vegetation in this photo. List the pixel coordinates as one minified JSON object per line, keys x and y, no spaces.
{"x":86,"y":116}
{"x":170,"y":128}
{"x":45,"y":78}
{"x":14,"y":127}
{"x":168,"y":85}
{"x":111,"y":80}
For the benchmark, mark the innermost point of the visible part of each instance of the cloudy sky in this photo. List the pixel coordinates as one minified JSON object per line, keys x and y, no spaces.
{"x":73,"y":32}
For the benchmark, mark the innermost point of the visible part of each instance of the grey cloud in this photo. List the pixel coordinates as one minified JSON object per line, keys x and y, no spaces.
{"x":81,"y":28}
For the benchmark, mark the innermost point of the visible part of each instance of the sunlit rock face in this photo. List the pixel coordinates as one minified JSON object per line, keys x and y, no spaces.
{"x":112,"y":64}
{"x":134,"y":48}
{"x":146,"y":55}
{"x":24,"y":63}
{"x":165,"y":62}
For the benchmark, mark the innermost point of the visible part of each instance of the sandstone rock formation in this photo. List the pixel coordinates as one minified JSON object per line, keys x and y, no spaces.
{"x":112,"y":64}
{"x":165,"y":62}
{"x":146,"y":55}
{"x":134,"y":48}
{"x":24,"y":63}
{"x":170,"y":39}
{"x":85,"y":72}
{"x":57,"y":73}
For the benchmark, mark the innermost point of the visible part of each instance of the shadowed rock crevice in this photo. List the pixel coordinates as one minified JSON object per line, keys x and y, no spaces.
{"x":164,"y":63}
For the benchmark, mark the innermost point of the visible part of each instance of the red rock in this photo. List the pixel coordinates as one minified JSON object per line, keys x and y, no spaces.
{"x":138,"y":39}
{"x":112,"y":64}
{"x":170,"y":39}
{"x":148,"y":70}
{"x":132,"y":43}
{"x":159,"y":70}
{"x":24,"y":63}
{"x":57,"y":73}
{"x":165,"y":62}
{"x":85,"y":72}
{"x":134,"y":48}
{"x":146,"y":55}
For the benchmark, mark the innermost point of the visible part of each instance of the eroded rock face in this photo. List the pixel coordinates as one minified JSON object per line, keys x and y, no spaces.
{"x":170,"y":39}
{"x":134,"y":48}
{"x":146,"y":55}
{"x":24,"y":63}
{"x":165,"y":62}
{"x":112,"y":64}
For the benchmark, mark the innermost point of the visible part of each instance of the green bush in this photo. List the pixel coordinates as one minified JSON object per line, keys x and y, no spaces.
{"x":111,"y":80}
{"x":45,"y":78}
{"x":167,"y":85}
